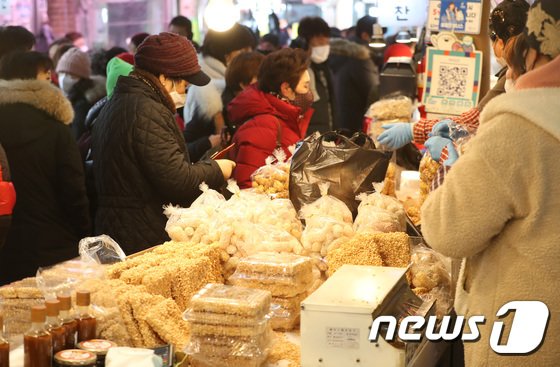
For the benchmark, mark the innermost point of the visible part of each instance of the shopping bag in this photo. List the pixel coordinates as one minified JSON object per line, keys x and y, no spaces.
{"x":350,"y":165}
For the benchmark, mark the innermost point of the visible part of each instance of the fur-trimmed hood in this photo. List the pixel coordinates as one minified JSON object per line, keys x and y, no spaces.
{"x":39,"y":94}
{"x":346,"y":48}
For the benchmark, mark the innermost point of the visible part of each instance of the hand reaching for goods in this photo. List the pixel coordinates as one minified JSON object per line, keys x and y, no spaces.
{"x":396,"y":135}
{"x":435,"y":145}
{"x":226,"y":166}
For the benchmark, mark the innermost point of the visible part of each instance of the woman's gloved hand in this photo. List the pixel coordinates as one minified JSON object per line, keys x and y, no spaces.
{"x":396,"y":135}
{"x":441,"y":129}
{"x":435,"y":146}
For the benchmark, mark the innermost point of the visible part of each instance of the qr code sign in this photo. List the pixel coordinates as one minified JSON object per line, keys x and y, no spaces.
{"x":452,"y":81}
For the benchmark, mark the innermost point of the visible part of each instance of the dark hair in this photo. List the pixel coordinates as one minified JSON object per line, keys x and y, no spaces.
{"x":273,"y":39}
{"x":138,"y":38}
{"x":114,"y":51}
{"x":310,"y":27}
{"x":99,"y":62}
{"x":24,"y":65}
{"x":15,"y":38}
{"x":285,"y":65}
{"x":61,"y":51}
{"x":508,"y":19}
{"x":183,"y":22}
{"x":365,"y":24}
{"x":79,"y":89}
{"x":242,"y":69}
{"x":515,"y":51}
{"x":73,"y":36}
{"x":219,"y":44}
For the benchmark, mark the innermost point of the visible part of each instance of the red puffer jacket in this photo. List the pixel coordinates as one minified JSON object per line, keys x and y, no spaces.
{"x":266,"y":122}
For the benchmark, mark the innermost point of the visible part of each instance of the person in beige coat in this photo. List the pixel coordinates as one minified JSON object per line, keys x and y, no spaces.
{"x":499,"y":208}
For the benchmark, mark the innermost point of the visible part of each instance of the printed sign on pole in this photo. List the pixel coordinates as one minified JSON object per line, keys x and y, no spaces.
{"x":462,"y":16}
{"x":452,"y":81}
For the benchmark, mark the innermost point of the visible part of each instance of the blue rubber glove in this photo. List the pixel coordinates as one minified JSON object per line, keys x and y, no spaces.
{"x":441,"y":128}
{"x":452,"y":155}
{"x":435,"y":145}
{"x":396,"y":135}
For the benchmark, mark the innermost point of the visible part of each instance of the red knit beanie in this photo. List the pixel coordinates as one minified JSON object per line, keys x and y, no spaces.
{"x":126,"y":57}
{"x":171,"y":55}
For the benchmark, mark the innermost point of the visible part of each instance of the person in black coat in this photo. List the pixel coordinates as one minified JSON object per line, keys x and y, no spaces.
{"x":141,"y":160}
{"x":356,"y":82}
{"x":51,"y":213}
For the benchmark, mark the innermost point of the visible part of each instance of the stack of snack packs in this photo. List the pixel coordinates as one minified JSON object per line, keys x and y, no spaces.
{"x":273,"y":178}
{"x":379,"y":213}
{"x":230,"y":326}
{"x":287,"y":277}
{"x":326,"y":220}
{"x":183,"y":223}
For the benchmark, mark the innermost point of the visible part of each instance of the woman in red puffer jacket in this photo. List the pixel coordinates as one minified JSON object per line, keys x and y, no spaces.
{"x":271,"y":114}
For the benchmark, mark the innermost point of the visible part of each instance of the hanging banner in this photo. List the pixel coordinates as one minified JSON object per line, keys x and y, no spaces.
{"x":461,"y":16}
{"x":452,"y":81}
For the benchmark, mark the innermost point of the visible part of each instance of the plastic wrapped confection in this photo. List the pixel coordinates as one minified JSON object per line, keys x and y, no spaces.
{"x":430,"y":278}
{"x":282,"y":214}
{"x":327,"y":206}
{"x":203,"y":329}
{"x":219,"y":298}
{"x":224,"y":346}
{"x":286,"y":312}
{"x":211,"y":318}
{"x":272,"y":264}
{"x":273,"y":178}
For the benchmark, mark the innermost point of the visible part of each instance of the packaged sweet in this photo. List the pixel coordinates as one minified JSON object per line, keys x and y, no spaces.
{"x":273,"y":178}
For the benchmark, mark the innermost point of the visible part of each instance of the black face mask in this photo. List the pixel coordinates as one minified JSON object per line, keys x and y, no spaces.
{"x":303,"y":101}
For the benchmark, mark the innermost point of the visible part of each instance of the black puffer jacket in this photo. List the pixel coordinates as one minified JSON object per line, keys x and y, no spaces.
{"x":141,"y":163}
{"x":356,"y":82}
{"x":51,"y":212}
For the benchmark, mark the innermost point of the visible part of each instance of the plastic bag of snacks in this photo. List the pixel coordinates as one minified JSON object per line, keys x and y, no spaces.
{"x":379,"y":213}
{"x":101,"y":250}
{"x":183,"y":223}
{"x":428,"y":170}
{"x":282,"y":214}
{"x":327,"y":206}
{"x":430,"y":278}
{"x":273,"y":178}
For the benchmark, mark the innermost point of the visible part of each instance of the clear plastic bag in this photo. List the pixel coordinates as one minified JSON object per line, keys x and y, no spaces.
{"x":282,"y":214}
{"x":430,"y":278}
{"x":101,"y":250}
{"x":321,"y":231}
{"x":379,"y":213}
{"x":224,"y":346}
{"x":66,"y":277}
{"x":397,"y":108}
{"x":273,"y":178}
{"x":183,"y":223}
{"x":327,"y":206}
{"x":220,"y":299}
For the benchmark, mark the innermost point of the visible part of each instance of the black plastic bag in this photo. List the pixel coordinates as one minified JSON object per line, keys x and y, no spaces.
{"x":351,"y":165}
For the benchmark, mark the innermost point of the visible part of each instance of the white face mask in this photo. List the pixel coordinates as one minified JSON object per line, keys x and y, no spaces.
{"x":66,"y":82}
{"x":320,"y":54}
{"x":178,"y":98}
{"x":510,"y":85}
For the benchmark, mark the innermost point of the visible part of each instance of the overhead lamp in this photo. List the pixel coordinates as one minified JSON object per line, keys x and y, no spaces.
{"x":221,"y":15}
{"x":403,"y":37}
{"x":377,"y":40}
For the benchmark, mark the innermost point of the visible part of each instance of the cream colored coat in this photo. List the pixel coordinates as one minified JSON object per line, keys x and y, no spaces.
{"x":500,"y":209}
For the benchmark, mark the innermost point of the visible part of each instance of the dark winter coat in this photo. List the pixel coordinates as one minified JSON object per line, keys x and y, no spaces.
{"x":51,"y":213}
{"x":356,"y":82}
{"x":265,"y":120}
{"x":83,"y":100}
{"x":324,"y":118}
{"x":141,"y":163}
